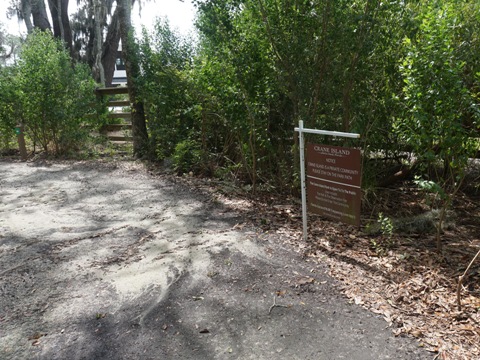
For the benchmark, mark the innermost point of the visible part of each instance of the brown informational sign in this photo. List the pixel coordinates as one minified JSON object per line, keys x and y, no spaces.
{"x":334,"y":182}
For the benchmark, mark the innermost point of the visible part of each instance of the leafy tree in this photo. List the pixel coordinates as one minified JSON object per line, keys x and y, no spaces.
{"x":52,"y":97}
{"x":436,"y":93}
{"x":8,"y":108}
{"x":331,"y":64}
{"x":440,"y":96}
{"x":239,"y":77}
{"x":91,"y":36}
{"x":335,"y":66}
{"x":165,"y":87}
{"x":9,"y":46}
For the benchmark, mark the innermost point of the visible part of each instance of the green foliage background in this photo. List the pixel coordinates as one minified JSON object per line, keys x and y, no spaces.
{"x":403,"y":74}
{"x":48,"y":95}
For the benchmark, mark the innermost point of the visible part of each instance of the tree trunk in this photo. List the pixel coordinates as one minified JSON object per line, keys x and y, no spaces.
{"x":26,"y":14}
{"x":54,"y":12}
{"x":39,"y":14}
{"x":61,"y":22}
{"x":139,"y":127}
{"x":99,"y":71}
{"x":110,"y":48}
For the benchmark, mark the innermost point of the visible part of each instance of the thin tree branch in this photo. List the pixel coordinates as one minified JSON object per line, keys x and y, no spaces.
{"x":460,"y":281}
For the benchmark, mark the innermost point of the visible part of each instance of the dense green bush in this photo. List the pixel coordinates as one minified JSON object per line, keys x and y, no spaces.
{"x":9,"y":111}
{"x":441,"y":106}
{"x":49,"y":95}
{"x":165,"y":58}
{"x":187,"y":157}
{"x":403,"y":74}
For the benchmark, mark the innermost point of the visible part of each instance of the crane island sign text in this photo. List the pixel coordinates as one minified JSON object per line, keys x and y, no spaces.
{"x":334,"y":182}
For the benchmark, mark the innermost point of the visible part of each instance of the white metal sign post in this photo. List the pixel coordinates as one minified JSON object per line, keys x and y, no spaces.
{"x":301,"y":130}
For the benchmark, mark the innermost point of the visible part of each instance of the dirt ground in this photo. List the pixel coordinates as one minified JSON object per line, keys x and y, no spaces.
{"x":105,"y":260}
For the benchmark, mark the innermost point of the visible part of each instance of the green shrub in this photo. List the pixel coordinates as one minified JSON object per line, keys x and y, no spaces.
{"x":187,"y":157}
{"x":8,"y":110}
{"x":53,"y":96}
{"x":165,"y":57}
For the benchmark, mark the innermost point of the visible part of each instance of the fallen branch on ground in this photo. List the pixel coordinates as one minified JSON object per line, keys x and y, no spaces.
{"x":460,"y":281}
{"x":275,"y":305}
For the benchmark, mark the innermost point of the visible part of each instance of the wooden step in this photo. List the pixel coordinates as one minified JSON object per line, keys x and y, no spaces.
{"x":117,"y":103}
{"x":121,"y":137}
{"x":116,"y":127}
{"x":119,"y":115}
{"x":112,"y":90}
{"x":121,"y":143}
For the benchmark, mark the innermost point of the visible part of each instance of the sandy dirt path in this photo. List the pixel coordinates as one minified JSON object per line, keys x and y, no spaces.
{"x":104,"y":261}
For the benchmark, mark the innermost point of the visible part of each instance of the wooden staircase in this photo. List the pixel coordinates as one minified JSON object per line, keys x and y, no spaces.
{"x":120,"y":132}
